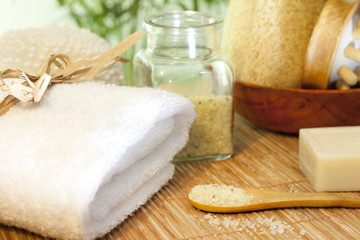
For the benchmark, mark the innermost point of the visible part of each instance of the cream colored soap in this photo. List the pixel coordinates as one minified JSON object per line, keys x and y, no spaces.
{"x":330,"y":157}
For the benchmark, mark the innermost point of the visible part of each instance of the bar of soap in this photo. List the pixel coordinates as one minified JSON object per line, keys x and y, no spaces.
{"x":330,"y":158}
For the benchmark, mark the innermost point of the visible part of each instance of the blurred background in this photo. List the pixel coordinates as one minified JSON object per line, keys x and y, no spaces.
{"x":111,"y":19}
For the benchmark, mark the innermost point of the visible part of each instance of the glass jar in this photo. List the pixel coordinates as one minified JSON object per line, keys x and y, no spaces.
{"x":183,"y":56}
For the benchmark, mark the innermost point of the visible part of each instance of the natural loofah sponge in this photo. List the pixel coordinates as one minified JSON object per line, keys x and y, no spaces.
{"x":267,"y":39}
{"x":27,"y":49}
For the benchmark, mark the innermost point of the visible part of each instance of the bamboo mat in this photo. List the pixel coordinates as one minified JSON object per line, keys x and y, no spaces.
{"x":263,"y":159}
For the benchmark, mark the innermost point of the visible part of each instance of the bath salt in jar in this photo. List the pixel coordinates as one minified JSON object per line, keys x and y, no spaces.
{"x":183,"y":56}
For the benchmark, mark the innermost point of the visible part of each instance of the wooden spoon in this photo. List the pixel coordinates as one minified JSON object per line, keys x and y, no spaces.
{"x":263,"y":199}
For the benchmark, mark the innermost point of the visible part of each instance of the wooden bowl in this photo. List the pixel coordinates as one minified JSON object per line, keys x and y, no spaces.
{"x":288,"y":110}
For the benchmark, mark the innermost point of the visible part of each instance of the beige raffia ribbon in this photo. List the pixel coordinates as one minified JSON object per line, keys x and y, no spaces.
{"x":58,"y":68}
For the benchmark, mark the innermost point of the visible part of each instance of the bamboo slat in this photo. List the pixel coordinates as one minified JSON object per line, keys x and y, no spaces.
{"x":263,"y":159}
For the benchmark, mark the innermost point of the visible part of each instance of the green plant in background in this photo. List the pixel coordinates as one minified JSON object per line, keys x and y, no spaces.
{"x":116,"y":19}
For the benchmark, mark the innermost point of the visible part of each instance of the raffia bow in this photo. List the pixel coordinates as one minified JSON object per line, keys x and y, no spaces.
{"x":58,"y":68}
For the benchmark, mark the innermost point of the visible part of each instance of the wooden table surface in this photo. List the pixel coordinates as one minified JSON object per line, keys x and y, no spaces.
{"x":263,"y":159}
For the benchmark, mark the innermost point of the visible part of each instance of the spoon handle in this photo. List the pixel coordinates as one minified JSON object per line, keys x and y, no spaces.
{"x":281,"y":199}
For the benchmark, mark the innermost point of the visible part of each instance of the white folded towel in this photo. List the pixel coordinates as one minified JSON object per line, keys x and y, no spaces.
{"x":86,"y":157}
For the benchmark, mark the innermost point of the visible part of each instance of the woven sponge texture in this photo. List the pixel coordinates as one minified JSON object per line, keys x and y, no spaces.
{"x":267,"y":39}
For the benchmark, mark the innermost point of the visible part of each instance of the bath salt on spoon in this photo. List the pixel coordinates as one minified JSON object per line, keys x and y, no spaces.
{"x":228,"y":199}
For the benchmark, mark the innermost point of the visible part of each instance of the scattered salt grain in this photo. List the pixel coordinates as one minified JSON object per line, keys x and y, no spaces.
{"x":214,"y":221}
{"x":234,"y":223}
{"x":227,"y":221}
{"x":292,"y":188}
{"x":262,"y":232}
{"x":260,"y":226}
{"x":219,"y":195}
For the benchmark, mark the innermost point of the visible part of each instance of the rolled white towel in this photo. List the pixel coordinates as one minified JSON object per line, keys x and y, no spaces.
{"x":86,"y":157}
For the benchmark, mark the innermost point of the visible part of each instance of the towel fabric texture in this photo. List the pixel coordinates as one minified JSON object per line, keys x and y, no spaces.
{"x":86,"y":157}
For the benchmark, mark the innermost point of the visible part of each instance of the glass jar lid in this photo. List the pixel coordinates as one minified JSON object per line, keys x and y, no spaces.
{"x":182,"y":20}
